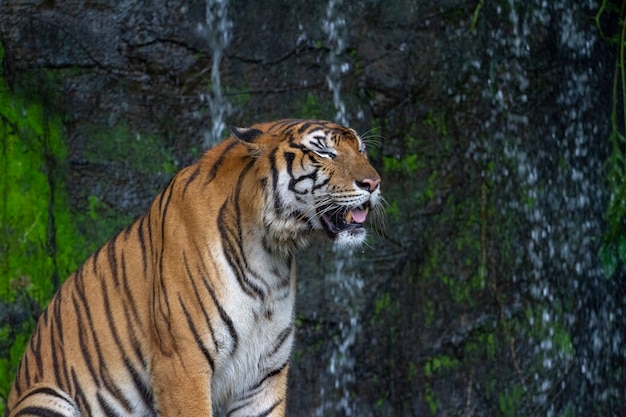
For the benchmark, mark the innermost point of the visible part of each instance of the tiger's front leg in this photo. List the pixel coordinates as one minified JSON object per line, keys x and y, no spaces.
{"x":267,"y":398}
{"x":181,"y":385}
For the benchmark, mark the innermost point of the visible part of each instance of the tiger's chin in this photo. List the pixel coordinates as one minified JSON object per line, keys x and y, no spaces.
{"x":349,"y":239}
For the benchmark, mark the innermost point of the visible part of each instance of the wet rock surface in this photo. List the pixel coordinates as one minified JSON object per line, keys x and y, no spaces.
{"x":490,"y":140}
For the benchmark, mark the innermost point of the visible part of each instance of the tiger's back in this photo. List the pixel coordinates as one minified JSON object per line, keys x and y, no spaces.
{"x":190,"y":308}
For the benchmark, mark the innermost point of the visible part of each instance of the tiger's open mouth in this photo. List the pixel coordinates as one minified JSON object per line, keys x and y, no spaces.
{"x":341,"y":219}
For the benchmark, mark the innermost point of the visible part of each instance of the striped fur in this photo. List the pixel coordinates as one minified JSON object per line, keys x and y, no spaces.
{"x":189,"y":310}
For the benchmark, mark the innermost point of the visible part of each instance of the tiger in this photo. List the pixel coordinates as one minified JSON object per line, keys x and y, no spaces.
{"x":189,"y":311}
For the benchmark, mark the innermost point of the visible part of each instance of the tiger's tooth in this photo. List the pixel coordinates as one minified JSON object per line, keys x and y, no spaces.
{"x":349,"y":217}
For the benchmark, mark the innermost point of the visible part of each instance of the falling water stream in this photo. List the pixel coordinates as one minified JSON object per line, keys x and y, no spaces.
{"x":554,"y":191}
{"x":218,"y":31}
{"x":343,"y":282}
{"x":334,"y":26}
{"x":345,"y":286}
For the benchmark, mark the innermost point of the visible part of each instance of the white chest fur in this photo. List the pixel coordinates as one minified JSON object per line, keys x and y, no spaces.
{"x":265,"y":331}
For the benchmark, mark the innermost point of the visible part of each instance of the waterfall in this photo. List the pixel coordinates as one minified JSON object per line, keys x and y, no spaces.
{"x":343,"y":283}
{"x":218,"y":31}
{"x":335,"y":28}
{"x":345,"y":287}
{"x":561,"y":206}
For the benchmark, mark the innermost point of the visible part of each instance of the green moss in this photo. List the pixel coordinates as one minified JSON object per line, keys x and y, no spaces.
{"x":39,"y":233}
{"x":143,"y":152}
{"x":312,"y":107}
{"x":439,"y":364}
{"x":612,"y":251}
{"x":40,"y":243}
{"x":431,"y":399}
{"x":510,"y":401}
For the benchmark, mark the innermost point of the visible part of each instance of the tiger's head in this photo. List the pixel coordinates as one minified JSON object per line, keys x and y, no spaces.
{"x":319,"y":179}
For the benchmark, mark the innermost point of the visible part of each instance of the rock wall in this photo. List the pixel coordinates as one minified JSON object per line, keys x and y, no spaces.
{"x":465,"y":102}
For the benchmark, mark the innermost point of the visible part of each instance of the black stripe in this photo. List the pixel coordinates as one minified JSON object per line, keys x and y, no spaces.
{"x":163,"y":208}
{"x":289,"y":124}
{"x":60,"y":320}
{"x":278,"y":205}
{"x":304,"y":127}
{"x":238,"y":198}
{"x":196,"y":335}
{"x":154,"y":299}
{"x":223,"y":315}
{"x":143,"y":388}
{"x":78,"y":275}
{"x":113,"y":260}
{"x":300,"y":147}
{"x":234,"y":410}
{"x":192,"y":177}
{"x":102,"y":373}
{"x":219,"y":161}
{"x":137,"y":345}
{"x":94,"y":259}
{"x":116,"y":392}
{"x":289,"y":157}
{"x":106,"y":407}
{"x":233,"y":251}
{"x":163,"y":306}
{"x":293,"y":182}
{"x":163,"y":214}
{"x":133,"y":304}
{"x":200,"y":303}
{"x":161,"y":299}
{"x":321,"y":184}
{"x":83,"y":343}
{"x":57,"y":317}
{"x":148,"y":220}
{"x":23,"y":372}
{"x":248,"y":400}
{"x":142,"y":244}
{"x":42,"y":390}
{"x":110,"y":318}
{"x":256,"y":389}
{"x":36,"y":348}
{"x":280,"y":341}
{"x":280,"y":125}
{"x":38,"y":411}
{"x":79,"y":396}
{"x":161,"y":197}
{"x":127,"y":231}
{"x":111,"y":385}
{"x":57,"y":360}
{"x":271,"y":374}
{"x":262,"y":414}
{"x":270,"y":409}
{"x":45,"y":315}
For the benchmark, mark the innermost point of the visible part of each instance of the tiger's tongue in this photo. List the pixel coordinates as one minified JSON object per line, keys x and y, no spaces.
{"x":359,"y":216}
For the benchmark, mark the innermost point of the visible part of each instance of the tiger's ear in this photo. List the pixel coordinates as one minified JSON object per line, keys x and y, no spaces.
{"x":247,"y":135}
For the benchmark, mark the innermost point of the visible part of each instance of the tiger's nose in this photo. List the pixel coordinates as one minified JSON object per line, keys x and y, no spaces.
{"x":368,"y":184}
